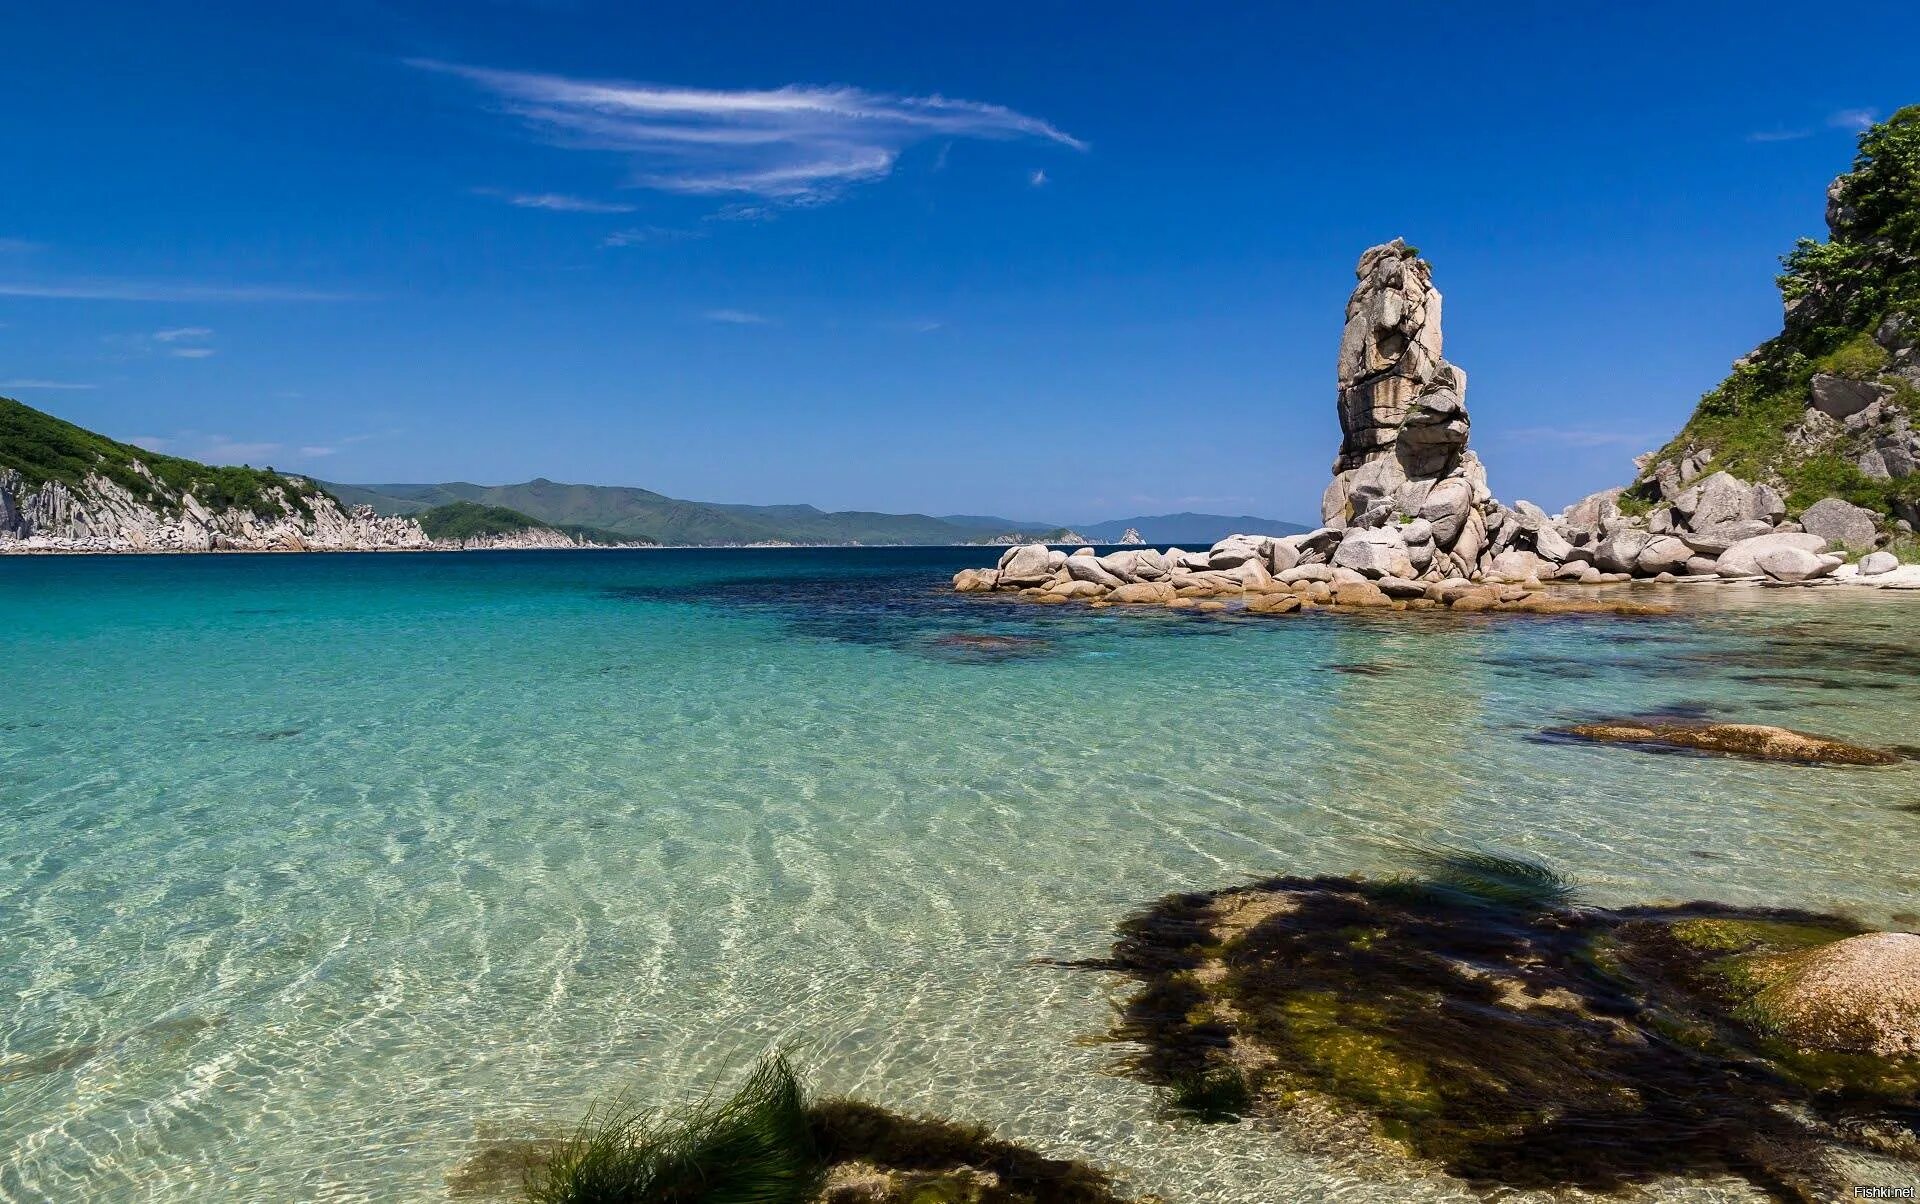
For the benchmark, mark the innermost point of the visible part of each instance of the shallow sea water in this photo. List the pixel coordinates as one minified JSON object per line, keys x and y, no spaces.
{"x":317,"y":870}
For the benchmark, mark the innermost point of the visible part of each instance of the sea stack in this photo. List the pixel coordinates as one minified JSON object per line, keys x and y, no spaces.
{"x":1403,"y":417}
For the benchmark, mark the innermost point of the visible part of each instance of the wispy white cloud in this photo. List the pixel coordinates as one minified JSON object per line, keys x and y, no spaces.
{"x":736,"y":317}
{"x":1038,"y":179}
{"x":190,"y":353}
{"x":148,"y":290}
{"x":557,"y":202}
{"x":45,"y":384}
{"x":1851,"y":120}
{"x":178,"y":333}
{"x":786,"y":144}
{"x":316,"y":451}
{"x":636,"y":235}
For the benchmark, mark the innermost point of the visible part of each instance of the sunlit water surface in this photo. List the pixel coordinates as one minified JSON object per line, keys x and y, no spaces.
{"x":315,"y":871}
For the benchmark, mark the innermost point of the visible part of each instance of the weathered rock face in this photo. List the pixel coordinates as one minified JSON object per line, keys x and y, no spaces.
{"x":1841,"y":522}
{"x":1403,"y":421}
{"x":1403,"y":413}
{"x":526,"y":540}
{"x":100,"y":515}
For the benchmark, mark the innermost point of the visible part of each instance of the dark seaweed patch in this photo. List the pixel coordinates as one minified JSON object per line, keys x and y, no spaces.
{"x":968,"y":647}
{"x":54,"y":1060}
{"x":914,"y":617}
{"x":1812,"y":682}
{"x":1509,"y":1037}
{"x":757,"y":1145}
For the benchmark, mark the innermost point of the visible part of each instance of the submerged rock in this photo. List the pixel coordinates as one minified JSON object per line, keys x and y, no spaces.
{"x":1479,"y":1020}
{"x":1754,"y":741}
{"x":1860,"y":995}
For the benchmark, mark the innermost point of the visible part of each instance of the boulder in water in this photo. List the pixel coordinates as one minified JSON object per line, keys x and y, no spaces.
{"x":1753,"y":741}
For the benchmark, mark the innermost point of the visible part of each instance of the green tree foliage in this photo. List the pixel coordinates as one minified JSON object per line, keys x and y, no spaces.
{"x":1871,"y":264}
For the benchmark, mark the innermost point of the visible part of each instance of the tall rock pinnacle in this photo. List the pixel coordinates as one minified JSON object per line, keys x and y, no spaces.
{"x":1403,"y":410}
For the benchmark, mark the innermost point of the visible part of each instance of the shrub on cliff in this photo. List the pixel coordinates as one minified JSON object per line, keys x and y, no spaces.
{"x":1840,"y":297}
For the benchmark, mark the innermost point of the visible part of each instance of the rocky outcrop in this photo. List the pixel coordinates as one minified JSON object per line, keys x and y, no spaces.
{"x":524,"y":540}
{"x":1403,"y":422}
{"x":1823,"y":414}
{"x":1357,"y":569}
{"x":102,"y":515}
{"x":1857,"y":996}
{"x":1410,"y":500}
{"x":1753,"y":741}
{"x":1410,"y":515}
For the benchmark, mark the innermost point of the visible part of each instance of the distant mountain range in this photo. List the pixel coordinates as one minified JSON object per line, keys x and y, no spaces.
{"x":63,"y":482}
{"x":640,"y":514}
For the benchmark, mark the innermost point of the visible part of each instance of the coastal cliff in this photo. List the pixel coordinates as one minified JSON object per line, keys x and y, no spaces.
{"x":66,"y":489}
{"x":1823,"y":413}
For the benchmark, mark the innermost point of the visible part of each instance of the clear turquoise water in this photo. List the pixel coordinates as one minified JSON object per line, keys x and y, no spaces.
{"x":315,"y":871}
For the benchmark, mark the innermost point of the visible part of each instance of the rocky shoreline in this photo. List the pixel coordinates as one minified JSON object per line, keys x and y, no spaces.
{"x":1409,"y":520}
{"x":296,"y":541}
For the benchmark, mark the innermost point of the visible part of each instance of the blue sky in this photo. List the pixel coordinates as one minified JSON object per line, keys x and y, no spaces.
{"x":1043,"y":260}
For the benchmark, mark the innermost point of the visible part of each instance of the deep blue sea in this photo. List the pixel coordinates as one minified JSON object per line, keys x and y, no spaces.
{"x":318,"y":871}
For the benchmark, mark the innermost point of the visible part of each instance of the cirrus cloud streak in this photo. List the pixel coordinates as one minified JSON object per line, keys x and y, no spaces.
{"x":798,"y":143}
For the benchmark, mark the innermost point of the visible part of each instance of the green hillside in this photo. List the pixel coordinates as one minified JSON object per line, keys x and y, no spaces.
{"x":1852,"y":314}
{"x":43,"y":448}
{"x":472,"y":520}
{"x":628,"y":513}
{"x":469,"y":520}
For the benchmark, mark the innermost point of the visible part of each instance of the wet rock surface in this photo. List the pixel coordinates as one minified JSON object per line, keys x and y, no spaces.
{"x":1476,"y":1017}
{"x":1753,"y":741}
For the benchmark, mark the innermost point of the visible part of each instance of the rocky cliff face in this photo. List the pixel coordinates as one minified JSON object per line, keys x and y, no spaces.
{"x":528,"y":539}
{"x":102,"y":515}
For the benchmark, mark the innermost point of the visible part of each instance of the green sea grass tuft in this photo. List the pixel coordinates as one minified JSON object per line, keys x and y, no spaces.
{"x":753,"y":1147}
{"x":1494,"y":879}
